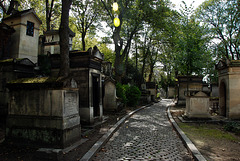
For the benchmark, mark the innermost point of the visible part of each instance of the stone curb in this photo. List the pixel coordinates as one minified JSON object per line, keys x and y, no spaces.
{"x":97,"y":146}
{"x":188,"y":143}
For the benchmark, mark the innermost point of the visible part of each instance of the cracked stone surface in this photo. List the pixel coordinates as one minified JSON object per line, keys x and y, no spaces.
{"x":147,"y":135}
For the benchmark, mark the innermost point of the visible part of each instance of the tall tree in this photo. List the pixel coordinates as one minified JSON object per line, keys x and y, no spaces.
{"x":64,"y":39}
{"x":7,"y":6}
{"x":86,"y":15}
{"x":223,"y":17}
{"x":191,"y":48}
{"x":52,"y":12}
{"x":132,"y":14}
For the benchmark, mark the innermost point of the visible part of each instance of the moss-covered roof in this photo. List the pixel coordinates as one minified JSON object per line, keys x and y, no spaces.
{"x":35,"y":83}
{"x":10,"y":60}
{"x":35,"y":80}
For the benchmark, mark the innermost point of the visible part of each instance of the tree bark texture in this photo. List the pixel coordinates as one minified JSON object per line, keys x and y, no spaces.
{"x":49,"y":11}
{"x":64,"y":39}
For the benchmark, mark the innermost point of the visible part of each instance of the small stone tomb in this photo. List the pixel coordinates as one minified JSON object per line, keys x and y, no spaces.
{"x":151,"y":86}
{"x":43,"y":113}
{"x":197,"y":106}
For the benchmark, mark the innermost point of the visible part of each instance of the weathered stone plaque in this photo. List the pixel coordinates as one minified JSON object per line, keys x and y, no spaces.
{"x":70,"y":103}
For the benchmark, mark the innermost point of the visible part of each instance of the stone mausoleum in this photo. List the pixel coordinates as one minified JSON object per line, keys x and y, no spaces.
{"x":85,"y":67}
{"x":24,"y":41}
{"x":229,"y":87}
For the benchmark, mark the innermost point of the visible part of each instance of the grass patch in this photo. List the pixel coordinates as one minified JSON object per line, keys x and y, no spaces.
{"x":207,"y":131}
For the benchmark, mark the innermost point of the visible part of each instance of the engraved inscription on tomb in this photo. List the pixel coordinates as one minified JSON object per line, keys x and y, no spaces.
{"x":70,"y":103}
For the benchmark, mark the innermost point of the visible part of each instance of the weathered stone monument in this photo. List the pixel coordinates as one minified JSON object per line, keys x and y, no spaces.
{"x":190,"y":84}
{"x":171,"y":92}
{"x":50,"y":42}
{"x":41,"y":111}
{"x":152,"y":87}
{"x":145,"y":95}
{"x":110,"y":97}
{"x":229,"y":87}
{"x":12,"y":69}
{"x":24,"y":41}
{"x":197,"y":106}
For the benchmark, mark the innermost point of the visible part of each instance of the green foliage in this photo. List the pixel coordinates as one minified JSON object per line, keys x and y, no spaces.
{"x":222,"y":17}
{"x":133,"y":95}
{"x":129,"y":95}
{"x":121,"y":92}
{"x":166,"y":81}
{"x":191,"y":56}
{"x":232,"y":127}
{"x":108,"y":53}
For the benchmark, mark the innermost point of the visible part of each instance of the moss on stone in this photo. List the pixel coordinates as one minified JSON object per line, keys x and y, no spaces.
{"x":35,"y":80}
{"x":9,"y":60}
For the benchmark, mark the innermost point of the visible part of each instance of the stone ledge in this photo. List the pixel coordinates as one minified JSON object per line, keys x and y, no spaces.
{"x":187,"y":142}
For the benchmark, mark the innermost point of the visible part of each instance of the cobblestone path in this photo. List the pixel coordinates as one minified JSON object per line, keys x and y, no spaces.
{"x":147,"y":135}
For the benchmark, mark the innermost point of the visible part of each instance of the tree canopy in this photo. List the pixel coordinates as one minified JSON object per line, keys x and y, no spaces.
{"x":153,"y":40}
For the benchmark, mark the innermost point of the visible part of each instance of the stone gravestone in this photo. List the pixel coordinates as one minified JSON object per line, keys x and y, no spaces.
{"x":197,"y":106}
{"x":171,"y":92}
{"x":109,"y":101}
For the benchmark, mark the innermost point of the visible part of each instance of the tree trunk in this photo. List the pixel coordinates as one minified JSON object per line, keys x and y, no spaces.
{"x":143,"y":66}
{"x":83,"y":41}
{"x":136,"y":55}
{"x":49,"y":13}
{"x":118,"y":65}
{"x":64,"y":39}
{"x":151,"y":73}
{"x":47,"y":16}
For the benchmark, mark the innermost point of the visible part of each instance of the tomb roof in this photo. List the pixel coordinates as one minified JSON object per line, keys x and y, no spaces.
{"x":22,"y":13}
{"x":56,"y":32}
{"x":21,"y":61}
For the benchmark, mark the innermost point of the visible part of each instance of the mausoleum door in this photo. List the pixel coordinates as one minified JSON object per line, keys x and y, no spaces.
{"x":96,"y":95}
{"x":222,"y":100}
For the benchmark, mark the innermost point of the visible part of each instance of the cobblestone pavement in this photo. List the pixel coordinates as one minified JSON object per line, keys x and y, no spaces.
{"x":147,"y":135}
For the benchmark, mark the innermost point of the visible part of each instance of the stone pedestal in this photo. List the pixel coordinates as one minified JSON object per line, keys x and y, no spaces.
{"x":45,"y":116}
{"x":197,"y":106}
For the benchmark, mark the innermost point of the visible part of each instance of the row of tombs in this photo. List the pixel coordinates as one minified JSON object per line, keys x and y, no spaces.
{"x":38,"y":108}
{"x":201,"y":101}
